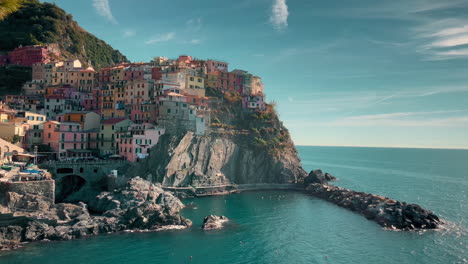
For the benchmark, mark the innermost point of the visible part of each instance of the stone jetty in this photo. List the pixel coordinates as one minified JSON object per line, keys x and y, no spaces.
{"x":386,"y":212}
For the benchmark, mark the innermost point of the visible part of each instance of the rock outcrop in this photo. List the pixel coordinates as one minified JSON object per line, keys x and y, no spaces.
{"x":317,"y":176}
{"x":139,"y":205}
{"x":213,"y":222}
{"x":213,"y":160}
{"x":385,"y":211}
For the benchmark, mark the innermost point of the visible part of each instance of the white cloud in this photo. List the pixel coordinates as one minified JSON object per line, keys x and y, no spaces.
{"x":450,"y":31}
{"x":128,"y":33}
{"x":405,"y":119}
{"x":103,"y":9}
{"x":195,"y":24}
{"x":456,"y":40}
{"x":443,"y":39}
{"x":161,"y":38}
{"x":279,"y":15}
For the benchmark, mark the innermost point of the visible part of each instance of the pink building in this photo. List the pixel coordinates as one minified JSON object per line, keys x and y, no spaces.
{"x":67,"y":139}
{"x":131,"y":75}
{"x":213,"y":66}
{"x":29,"y":55}
{"x":135,"y":144}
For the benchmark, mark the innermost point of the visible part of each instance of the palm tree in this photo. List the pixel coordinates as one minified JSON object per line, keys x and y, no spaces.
{"x":8,"y":6}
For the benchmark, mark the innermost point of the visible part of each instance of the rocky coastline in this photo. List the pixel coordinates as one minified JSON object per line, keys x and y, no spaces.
{"x":141,"y":206}
{"x":386,"y":212}
{"x":138,"y":205}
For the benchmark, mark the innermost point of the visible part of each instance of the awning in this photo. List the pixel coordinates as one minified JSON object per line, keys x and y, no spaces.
{"x":25,"y":155}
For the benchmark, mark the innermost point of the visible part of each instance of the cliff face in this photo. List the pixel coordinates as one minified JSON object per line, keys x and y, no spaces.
{"x":190,"y":160}
{"x":240,"y":147}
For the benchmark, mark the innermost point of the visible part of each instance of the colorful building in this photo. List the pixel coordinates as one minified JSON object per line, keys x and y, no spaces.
{"x":136,"y":143}
{"x":107,"y":142}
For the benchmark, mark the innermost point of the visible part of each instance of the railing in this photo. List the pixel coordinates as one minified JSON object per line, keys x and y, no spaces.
{"x":82,"y":162}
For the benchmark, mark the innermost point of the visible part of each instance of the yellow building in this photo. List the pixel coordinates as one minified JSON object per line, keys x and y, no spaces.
{"x":107,"y":141}
{"x":81,"y":79}
{"x":212,"y":79}
{"x":195,"y":85}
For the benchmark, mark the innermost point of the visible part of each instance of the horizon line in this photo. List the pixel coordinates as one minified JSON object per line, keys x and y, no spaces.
{"x":393,"y":147}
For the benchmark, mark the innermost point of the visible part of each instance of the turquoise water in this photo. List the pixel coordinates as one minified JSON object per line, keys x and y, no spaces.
{"x":290,"y":227}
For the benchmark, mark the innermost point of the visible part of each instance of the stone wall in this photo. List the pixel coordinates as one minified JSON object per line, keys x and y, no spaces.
{"x":42,"y":188}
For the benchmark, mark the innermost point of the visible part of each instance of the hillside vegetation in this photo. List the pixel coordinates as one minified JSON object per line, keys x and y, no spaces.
{"x":38,"y":23}
{"x":8,"y":6}
{"x":261,"y":129}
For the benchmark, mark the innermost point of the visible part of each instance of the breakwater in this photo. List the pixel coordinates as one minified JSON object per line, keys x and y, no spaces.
{"x":385,"y":211}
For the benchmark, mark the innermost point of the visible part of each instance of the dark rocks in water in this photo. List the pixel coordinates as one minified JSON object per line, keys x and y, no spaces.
{"x":138,"y":205}
{"x":317,"y":176}
{"x":212,"y":222}
{"x":385,"y":211}
{"x":329,"y":177}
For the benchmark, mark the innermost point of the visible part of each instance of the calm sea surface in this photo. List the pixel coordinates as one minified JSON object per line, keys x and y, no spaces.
{"x":289,"y":227}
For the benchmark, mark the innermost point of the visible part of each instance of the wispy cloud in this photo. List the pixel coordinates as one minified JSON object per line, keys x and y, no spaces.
{"x":406,"y":119}
{"x":437,"y":29}
{"x":195,"y":41}
{"x":349,"y":102}
{"x":161,"y":38}
{"x":103,"y":9}
{"x":128,"y":33}
{"x":443,"y":39}
{"x":194,"y":24}
{"x":279,"y":15}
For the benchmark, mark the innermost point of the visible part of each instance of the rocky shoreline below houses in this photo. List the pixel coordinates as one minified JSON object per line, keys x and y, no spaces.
{"x":140,"y":205}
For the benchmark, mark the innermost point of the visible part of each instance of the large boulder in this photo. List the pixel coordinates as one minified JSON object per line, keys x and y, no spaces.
{"x":37,"y":231}
{"x":315,"y":176}
{"x":212,"y":222}
{"x":171,"y":204}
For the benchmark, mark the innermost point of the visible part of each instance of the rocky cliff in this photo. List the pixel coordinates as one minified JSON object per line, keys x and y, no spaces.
{"x":240,"y":147}
{"x":137,"y":205}
{"x":216,"y":159}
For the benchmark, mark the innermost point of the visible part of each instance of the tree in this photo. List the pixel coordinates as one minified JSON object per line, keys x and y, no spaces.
{"x":8,"y":6}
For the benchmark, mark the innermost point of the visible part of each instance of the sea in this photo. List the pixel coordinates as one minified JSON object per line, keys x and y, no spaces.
{"x":292,"y":227}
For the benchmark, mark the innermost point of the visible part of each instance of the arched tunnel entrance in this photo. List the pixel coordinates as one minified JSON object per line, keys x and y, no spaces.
{"x":68,"y":185}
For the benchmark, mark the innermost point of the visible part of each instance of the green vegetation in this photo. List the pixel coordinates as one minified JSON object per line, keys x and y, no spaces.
{"x":38,"y":23}
{"x":8,"y":6}
{"x":261,"y":129}
{"x":13,"y":140}
{"x":12,"y":78}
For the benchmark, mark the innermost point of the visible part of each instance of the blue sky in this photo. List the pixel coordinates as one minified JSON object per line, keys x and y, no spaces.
{"x":343,"y":73}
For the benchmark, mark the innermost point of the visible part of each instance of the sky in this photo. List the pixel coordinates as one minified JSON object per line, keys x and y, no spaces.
{"x":343,"y":73}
